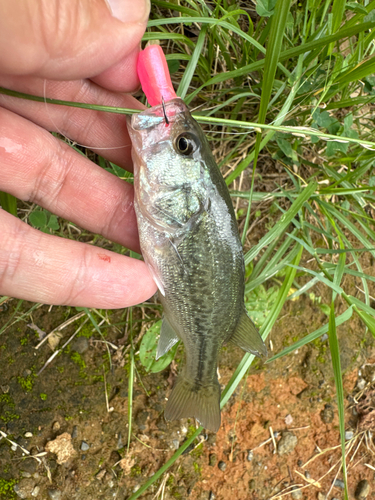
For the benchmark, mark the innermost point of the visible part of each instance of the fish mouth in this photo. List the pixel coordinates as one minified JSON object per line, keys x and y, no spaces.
{"x":150,"y":128}
{"x":152,"y":117}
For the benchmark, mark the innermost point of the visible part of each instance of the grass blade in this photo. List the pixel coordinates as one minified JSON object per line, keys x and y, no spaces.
{"x":8,"y":202}
{"x":192,"y":64}
{"x":312,"y":336}
{"x":336,"y":364}
{"x":167,"y":465}
{"x":273,"y":53}
{"x":278,"y":22}
{"x":131,"y":379}
{"x":283,"y":223}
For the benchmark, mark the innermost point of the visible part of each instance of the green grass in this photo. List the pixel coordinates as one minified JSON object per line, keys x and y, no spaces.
{"x":291,"y":87}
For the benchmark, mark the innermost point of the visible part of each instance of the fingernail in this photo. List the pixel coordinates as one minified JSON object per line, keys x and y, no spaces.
{"x":130,"y":11}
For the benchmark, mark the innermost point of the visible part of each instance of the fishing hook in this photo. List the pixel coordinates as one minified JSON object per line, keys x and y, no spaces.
{"x":164,"y":111}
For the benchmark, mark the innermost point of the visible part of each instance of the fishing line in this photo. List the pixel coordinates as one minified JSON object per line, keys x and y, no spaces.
{"x":71,"y":142}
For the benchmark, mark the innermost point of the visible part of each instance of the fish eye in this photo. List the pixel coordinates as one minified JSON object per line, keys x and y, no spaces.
{"x":185,"y":144}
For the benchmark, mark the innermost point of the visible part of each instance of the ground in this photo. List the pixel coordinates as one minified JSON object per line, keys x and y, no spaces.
{"x":294,"y":393}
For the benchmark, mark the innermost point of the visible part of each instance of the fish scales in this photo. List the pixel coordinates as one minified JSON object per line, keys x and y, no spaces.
{"x":190,"y":242}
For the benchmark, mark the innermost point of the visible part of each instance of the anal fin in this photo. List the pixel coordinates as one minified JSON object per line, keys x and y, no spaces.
{"x":168,"y":338}
{"x":247,"y":337}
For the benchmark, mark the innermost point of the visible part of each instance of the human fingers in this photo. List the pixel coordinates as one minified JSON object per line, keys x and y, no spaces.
{"x":69,"y":40}
{"x":104,"y":132}
{"x":121,"y":77}
{"x":44,"y":268}
{"x":37,"y":167}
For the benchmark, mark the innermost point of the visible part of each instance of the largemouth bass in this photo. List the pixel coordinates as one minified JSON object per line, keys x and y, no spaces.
{"x":191,"y":245}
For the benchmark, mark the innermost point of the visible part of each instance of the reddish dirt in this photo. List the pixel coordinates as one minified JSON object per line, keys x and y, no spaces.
{"x":248,"y":426}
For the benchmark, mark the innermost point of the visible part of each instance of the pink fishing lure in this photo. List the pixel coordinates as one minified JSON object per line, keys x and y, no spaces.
{"x":154,"y":75}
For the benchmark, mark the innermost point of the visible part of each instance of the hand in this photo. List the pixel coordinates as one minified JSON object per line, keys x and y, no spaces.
{"x":76,"y":51}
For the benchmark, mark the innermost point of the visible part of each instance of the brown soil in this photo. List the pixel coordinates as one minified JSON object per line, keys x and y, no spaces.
{"x":68,"y":398}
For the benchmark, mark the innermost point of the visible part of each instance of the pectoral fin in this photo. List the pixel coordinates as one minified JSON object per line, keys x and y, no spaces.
{"x":247,"y":337}
{"x":168,"y":338}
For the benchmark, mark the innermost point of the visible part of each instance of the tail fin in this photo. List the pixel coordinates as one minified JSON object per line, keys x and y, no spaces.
{"x":201,"y":402}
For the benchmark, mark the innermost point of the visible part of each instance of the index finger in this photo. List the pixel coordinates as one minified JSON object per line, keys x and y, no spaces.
{"x":48,"y":269}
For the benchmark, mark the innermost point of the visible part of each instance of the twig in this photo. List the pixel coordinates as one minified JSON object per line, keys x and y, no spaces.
{"x":3,"y":435}
{"x":161,"y":487}
{"x":49,"y":360}
{"x":61,"y":327}
{"x":273,"y":439}
{"x":312,"y":482}
{"x":109,"y":410}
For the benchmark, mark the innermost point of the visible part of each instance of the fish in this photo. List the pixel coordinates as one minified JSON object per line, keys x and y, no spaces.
{"x":190,"y":242}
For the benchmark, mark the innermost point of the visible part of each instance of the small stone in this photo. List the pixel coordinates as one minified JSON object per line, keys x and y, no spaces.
{"x":222,"y":465}
{"x":54,"y":494}
{"x":120,"y":444}
{"x":362,"y":490}
{"x":74,"y":432}
{"x":349,"y":435}
{"x":288,"y":420}
{"x":287,"y":443}
{"x":324,"y":337}
{"x":361,"y":383}
{"x":212,"y":459}
{"x":307,"y":474}
{"x":321,"y":496}
{"x":35,"y":491}
{"x":141,"y":419}
{"x":250,"y":455}
{"x":28,"y":434}
{"x":29,"y":466}
{"x":4,"y":307}
{"x":299,"y":462}
{"x":296,"y":493}
{"x":56,"y":427}
{"x":252,"y":484}
{"x":327,"y":414}
{"x":100,"y":475}
{"x":85,"y":446}
{"x":80,"y":345}
{"x":339,"y":484}
{"x":24,"y":488}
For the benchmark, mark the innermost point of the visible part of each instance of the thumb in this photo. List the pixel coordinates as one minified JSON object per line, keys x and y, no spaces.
{"x":68,"y":40}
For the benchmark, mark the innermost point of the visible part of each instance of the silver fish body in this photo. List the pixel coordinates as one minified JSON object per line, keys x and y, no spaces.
{"x":190,"y":242}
